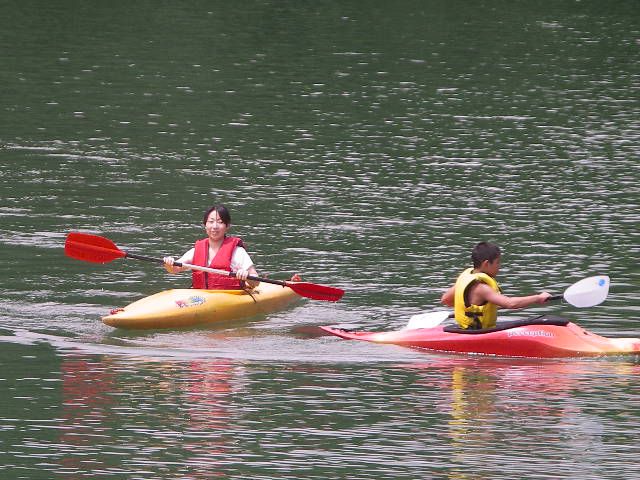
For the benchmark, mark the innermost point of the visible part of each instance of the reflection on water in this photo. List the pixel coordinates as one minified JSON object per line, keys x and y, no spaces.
{"x":201,"y":419}
{"x":110,"y":404}
{"x":523,"y":404}
{"x":89,"y":395}
{"x":116,"y":411}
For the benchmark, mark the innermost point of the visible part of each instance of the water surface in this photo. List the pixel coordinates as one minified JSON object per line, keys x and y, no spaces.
{"x":365,"y":145}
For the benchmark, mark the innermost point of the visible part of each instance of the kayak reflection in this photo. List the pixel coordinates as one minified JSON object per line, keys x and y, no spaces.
{"x":108,"y":400}
{"x":485,"y":400}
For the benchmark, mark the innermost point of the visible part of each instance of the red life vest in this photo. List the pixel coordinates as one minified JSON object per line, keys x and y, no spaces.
{"x":222,"y":261}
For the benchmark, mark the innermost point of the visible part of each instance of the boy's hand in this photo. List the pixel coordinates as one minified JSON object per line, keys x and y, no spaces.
{"x":543,"y":297}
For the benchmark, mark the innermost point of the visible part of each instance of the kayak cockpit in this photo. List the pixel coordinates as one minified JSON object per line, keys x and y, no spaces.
{"x":541,"y":320}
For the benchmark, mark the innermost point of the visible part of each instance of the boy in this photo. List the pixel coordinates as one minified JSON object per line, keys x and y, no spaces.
{"x":476,"y":295}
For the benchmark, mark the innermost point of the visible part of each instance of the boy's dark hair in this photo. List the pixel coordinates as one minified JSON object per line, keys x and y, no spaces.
{"x":484,"y":251}
{"x":223,"y":213}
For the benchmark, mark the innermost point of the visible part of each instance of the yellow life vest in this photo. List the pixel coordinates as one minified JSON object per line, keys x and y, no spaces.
{"x":474,"y":316}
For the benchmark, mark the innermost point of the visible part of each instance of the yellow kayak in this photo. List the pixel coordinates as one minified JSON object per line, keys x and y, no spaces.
{"x":180,"y":308}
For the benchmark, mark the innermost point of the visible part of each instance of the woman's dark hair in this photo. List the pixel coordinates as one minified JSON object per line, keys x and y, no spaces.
{"x":223,"y":213}
{"x":484,"y":251}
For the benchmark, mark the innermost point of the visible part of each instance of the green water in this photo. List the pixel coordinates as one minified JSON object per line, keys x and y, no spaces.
{"x":366,"y":145}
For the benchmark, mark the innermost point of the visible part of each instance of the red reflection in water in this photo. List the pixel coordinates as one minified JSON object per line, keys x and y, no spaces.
{"x":97,"y":406}
{"x":86,"y":402}
{"x":209,"y":395}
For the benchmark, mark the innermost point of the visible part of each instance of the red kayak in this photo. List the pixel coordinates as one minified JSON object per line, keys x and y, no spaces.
{"x":543,"y":337}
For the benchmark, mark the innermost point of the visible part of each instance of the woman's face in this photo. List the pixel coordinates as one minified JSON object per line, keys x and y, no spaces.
{"x":215,"y":227}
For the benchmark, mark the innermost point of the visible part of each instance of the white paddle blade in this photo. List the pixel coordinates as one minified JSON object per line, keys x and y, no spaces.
{"x":588,"y":292}
{"x":427,"y":320}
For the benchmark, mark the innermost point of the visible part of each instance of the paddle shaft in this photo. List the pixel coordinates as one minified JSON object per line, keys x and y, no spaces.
{"x":204,"y":269}
{"x":97,"y":249}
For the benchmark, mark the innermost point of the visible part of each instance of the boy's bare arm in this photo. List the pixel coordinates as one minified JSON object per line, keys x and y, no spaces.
{"x":484,"y":293}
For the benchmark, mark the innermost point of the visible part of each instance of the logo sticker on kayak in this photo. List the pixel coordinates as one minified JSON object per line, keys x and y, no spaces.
{"x":529,"y":333}
{"x":190,"y":302}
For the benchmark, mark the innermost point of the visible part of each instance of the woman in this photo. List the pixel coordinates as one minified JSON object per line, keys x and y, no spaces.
{"x":217,"y":251}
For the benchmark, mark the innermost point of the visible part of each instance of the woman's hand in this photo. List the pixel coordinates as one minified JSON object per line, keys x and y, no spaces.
{"x":243,"y":274}
{"x":168,"y":265}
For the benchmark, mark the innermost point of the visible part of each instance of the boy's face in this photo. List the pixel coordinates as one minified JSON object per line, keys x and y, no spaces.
{"x":491,"y":268}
